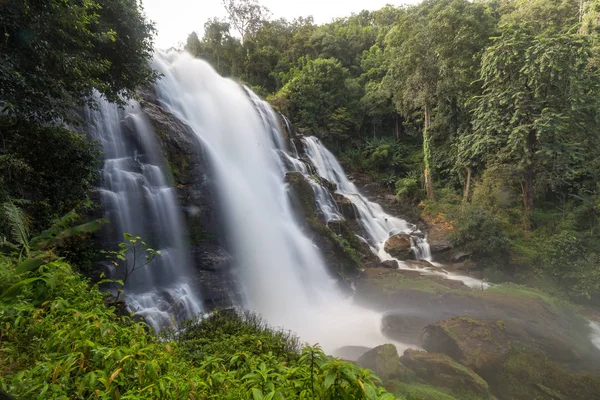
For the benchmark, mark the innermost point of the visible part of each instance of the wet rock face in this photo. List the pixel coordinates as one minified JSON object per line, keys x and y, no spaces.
{"x":383,"y":360}
{"x":189,"y":171}
{"x":344,"y":253}
{"x":442,"y":371}
{"x":391,"y":264}
{"x":399,"y":246}
{"x":346,"y":206}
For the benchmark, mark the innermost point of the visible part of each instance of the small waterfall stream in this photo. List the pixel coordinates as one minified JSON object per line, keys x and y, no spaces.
{"x":377,"y":224}
{"x":595,"y":335}
{"x":138,"y":200}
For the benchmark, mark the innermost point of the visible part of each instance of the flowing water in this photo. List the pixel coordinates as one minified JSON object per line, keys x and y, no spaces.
{"x":377,"y":224}
{"x":595,"y":336}
{"x":282,"y":274}
{"x":138,"y":200}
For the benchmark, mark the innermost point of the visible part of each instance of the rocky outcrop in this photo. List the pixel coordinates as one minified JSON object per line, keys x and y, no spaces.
{"x":304,"y":197}
{"x":344,"y":253}
{"x":527,"y":317}
{"x":392,"y":264}
{"x":441,"y":371}
{"x":399,"y":246}
{"x":383,"y":360}
{"x":478,"y":344}
{"x":346,"y":206}
{"x":190,"y":175}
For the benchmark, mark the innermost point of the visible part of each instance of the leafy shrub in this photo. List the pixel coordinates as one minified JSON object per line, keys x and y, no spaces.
{"x":52,"y":168}
{"x":59,"y":340}
{"x":478,"y":231}
{"x":408,"y":187}
{"x":574,"y":263}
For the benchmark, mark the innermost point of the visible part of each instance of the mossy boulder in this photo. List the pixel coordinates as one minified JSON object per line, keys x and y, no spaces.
{"x":383,"y":360}
{"x":478,"y":344}
{"x":419,"y":391}
{"x":442,"y":371}
{"x":526,"y":374}
{"x":399,"y":246}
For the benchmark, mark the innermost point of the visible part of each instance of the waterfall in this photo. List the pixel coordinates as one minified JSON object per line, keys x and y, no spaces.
{"x":281,"y":271}
{"x":377,"y":224}
{"x":138,"y":200}
{"x":595,"y":334}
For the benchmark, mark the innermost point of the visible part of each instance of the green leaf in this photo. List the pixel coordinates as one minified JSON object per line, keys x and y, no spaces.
{"x":15,"y":289}
{"x":30,"y":264}
{"x":257,"y":394}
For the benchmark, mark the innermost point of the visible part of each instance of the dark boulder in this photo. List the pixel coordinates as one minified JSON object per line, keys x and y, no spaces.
{"x":399,"y":246}
{"x":383,"y":360}
{"x":392,"y":264}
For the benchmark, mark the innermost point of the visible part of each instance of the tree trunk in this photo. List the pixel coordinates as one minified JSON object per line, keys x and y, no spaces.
{"x":427,"y":156}
{"x":396,"y":126}
{"x":529,"y":180}
{"x":468,"y":185}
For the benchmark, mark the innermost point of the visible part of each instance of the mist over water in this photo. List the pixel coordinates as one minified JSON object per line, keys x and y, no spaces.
{"x":281,"y":272}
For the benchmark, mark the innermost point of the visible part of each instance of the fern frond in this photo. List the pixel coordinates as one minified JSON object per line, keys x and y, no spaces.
{"x":19,"y":224}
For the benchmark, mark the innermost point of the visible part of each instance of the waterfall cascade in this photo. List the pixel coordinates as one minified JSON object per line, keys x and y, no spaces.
{"x":377,"y":224}
{"x":138,"y":200}
{"x":282,"y":273}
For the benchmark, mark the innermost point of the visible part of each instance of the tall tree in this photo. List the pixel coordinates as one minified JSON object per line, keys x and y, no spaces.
{"x":54,"y":53}
{"x":433,"y":58}
{"x":246,"y":15}
{"x":539,"y":107}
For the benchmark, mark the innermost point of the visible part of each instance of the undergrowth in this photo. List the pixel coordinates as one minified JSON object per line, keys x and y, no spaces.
{"x":58,"y":340}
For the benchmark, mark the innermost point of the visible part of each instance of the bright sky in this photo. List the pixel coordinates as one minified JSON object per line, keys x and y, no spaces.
{"x":175,"y":19}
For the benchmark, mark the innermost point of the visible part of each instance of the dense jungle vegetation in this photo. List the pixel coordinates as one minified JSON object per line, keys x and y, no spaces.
{"x":484,"y":114}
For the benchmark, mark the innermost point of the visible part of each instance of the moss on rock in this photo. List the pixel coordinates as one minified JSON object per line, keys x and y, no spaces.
{"x":527,"y":374}
{"x":383,"y":360}
{"x":442,"y":371}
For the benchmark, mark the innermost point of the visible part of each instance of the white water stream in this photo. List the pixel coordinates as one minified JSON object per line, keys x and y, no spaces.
{"x":595,"y":335}
{"x":283,"y":276}
{"x":378,"y":225}
{"x":138,"y":200}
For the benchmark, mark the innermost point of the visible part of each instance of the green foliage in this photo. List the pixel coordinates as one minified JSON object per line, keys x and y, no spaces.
{"x":408,"y":187}
{"x":478,"y":231}
{"x":133,"y":254}
{"x":54,"y":53}
{"x":573,"y":259}
{"x":416,"y":391}
{"x":26,"y":247}
{"x":52,"y":168}
{"x":59,"y":340}
{"x":314,"y":95}
{"x":538,"y":108}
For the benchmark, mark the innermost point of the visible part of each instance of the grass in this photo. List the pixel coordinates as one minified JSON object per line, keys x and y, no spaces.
{"x":418,"y":391}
